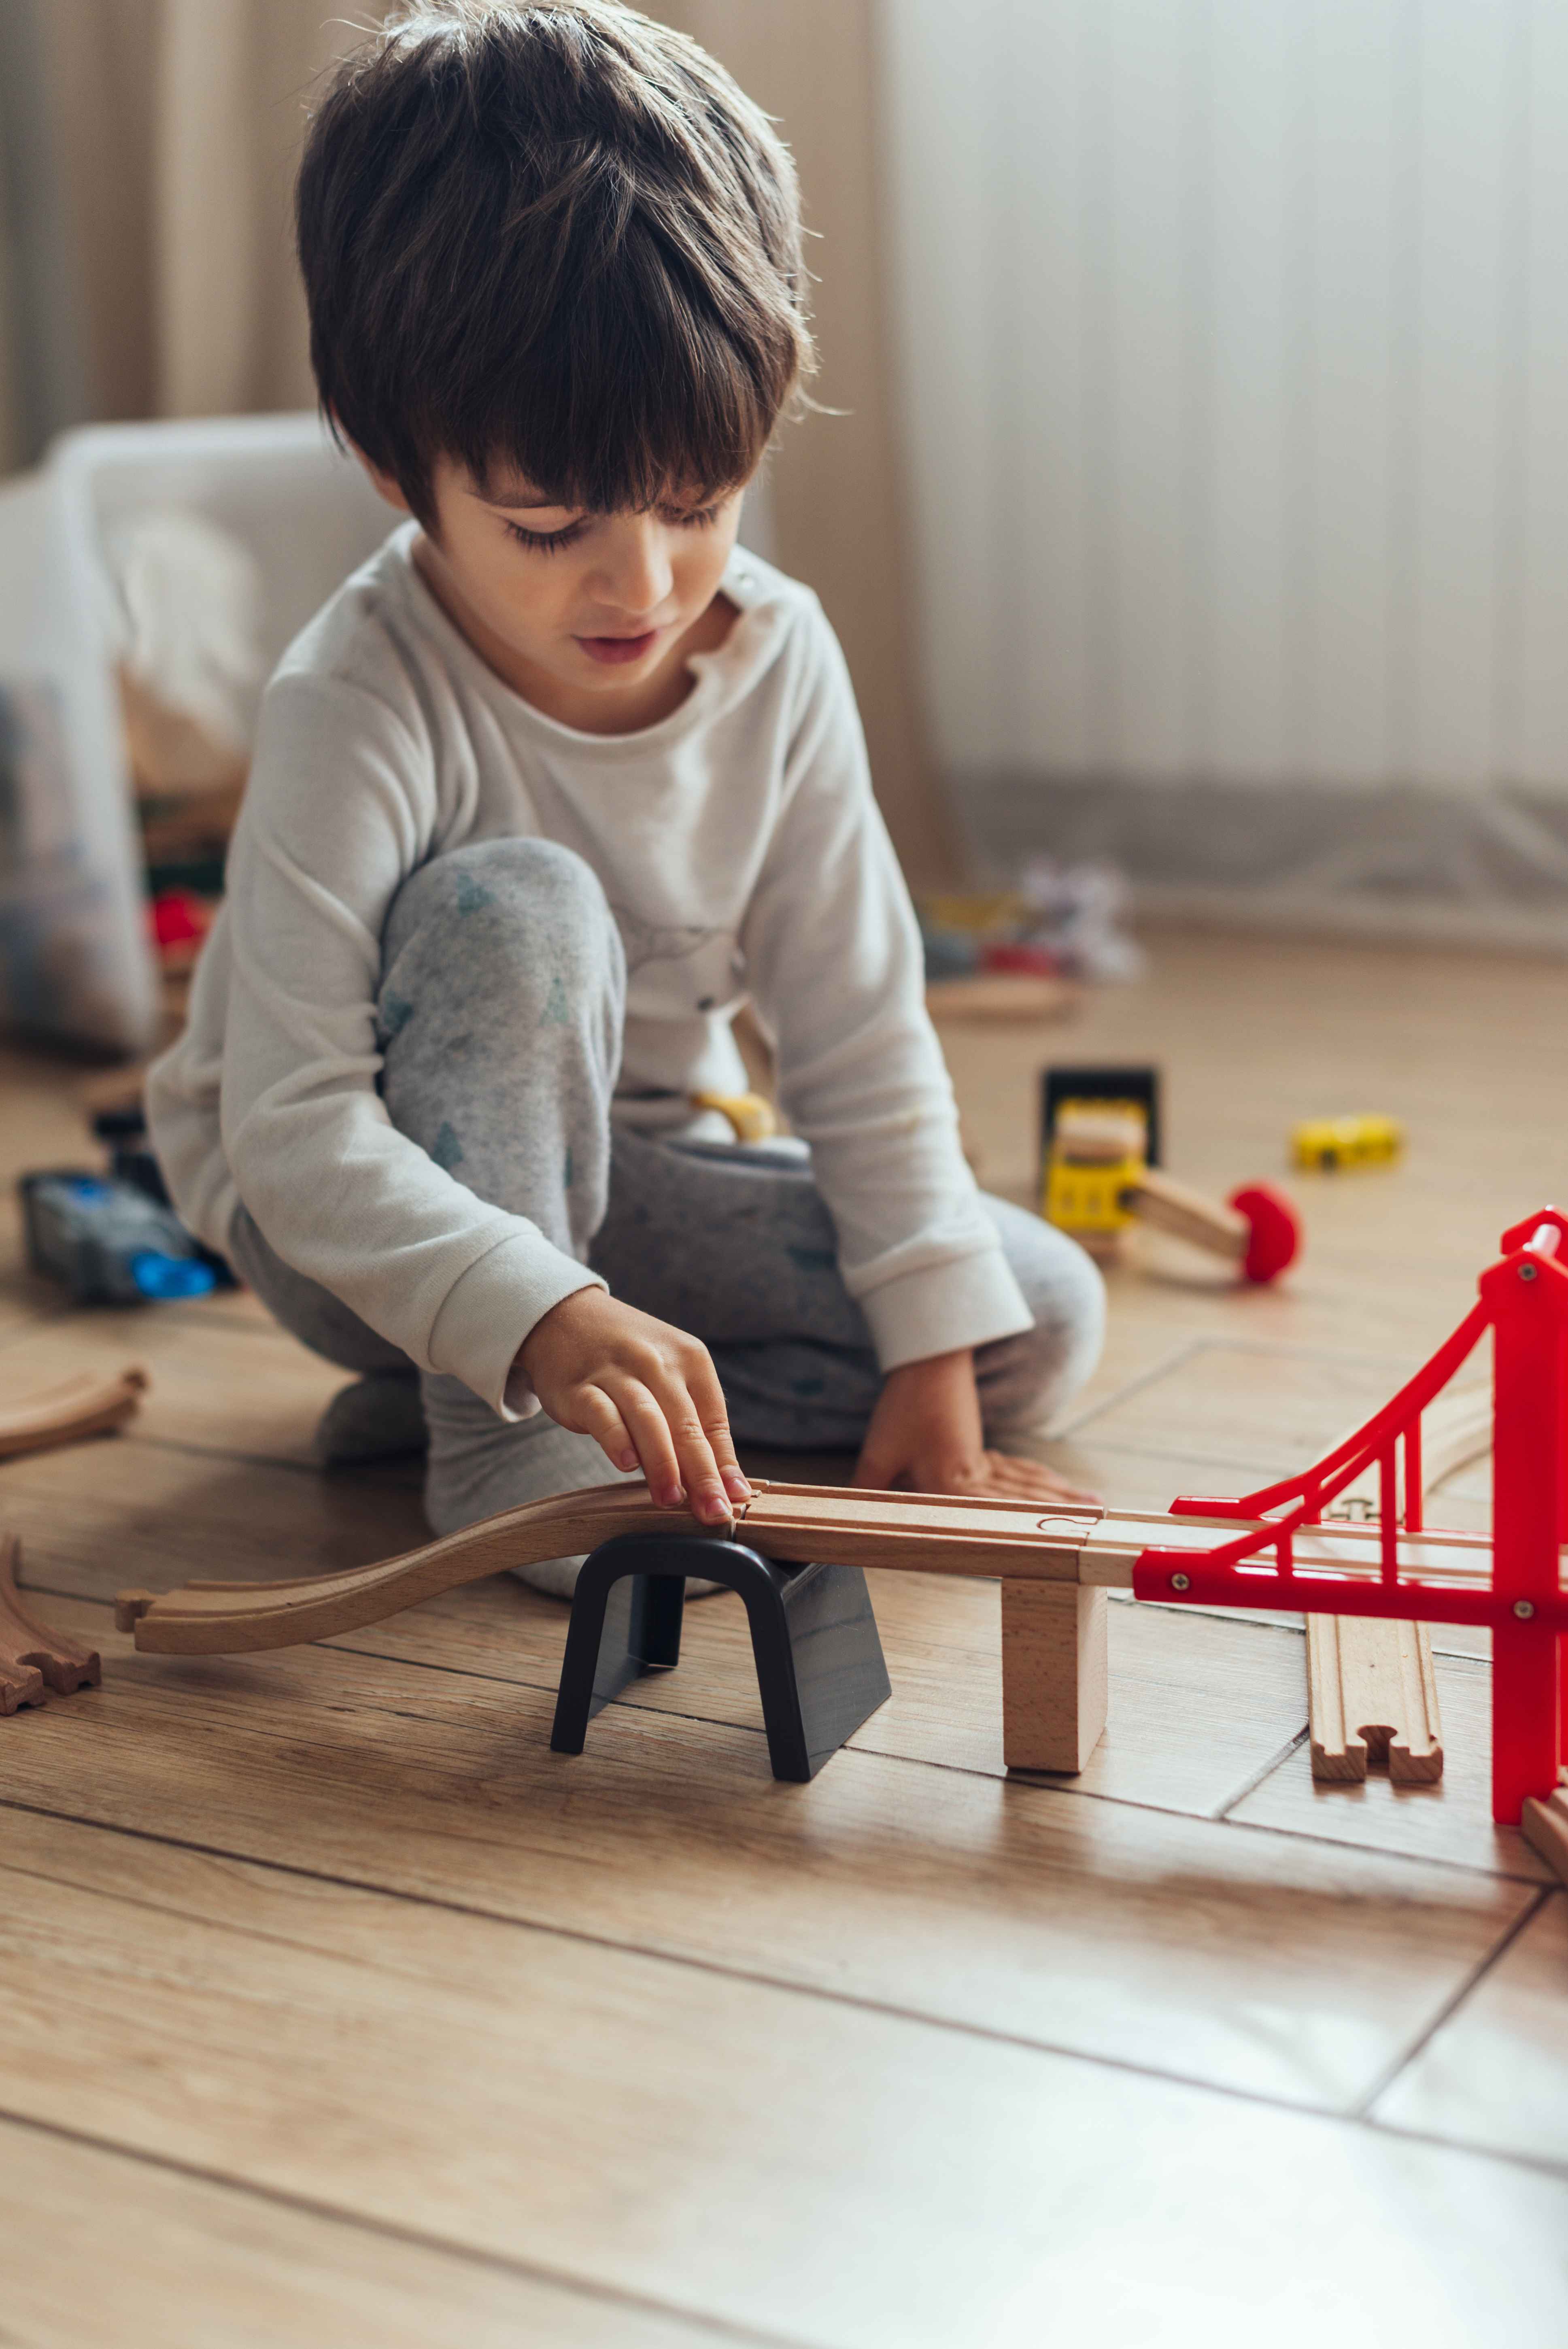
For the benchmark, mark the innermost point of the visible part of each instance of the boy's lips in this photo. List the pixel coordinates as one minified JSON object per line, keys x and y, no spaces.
{"x":612,"y":649}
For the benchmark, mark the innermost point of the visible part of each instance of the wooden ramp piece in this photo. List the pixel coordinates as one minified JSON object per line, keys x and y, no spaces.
{"x":1371,"y":1692}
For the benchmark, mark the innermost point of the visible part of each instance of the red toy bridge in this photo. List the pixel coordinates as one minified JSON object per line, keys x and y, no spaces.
{"x":1524,"y":1304}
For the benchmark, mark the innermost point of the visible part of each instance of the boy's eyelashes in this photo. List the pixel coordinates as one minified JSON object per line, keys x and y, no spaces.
{"x":546,"y":541}
{"x":550,"y":542}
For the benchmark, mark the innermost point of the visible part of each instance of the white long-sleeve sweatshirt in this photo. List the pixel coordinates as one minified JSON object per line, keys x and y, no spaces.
{"x":743,"y":854}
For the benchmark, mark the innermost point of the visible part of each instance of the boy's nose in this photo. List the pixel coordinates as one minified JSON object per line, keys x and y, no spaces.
{"x":637,"y":575}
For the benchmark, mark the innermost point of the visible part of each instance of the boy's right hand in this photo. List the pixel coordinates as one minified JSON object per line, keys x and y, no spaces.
{"x":648,"y":1395}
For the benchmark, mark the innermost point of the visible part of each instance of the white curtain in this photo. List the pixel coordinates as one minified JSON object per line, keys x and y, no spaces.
{"x":1234,"y":368}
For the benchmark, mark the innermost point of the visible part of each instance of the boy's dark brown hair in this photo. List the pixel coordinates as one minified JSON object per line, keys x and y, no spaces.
{"x":556,"y":237}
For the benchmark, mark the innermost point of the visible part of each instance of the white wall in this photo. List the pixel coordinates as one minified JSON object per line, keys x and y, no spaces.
{"x":1234,"y":349}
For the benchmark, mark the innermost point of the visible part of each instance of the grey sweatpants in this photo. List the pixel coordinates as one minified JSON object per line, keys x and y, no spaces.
{"x":500,"y":1015}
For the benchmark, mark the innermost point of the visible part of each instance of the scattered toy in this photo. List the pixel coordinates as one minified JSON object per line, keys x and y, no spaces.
{"x":34,"y":1655}
{"x":107,"y":1241}
{"x":1100,"y":1174}
{"x":78,"y":1407}
{"x":752,"y":1116}
{"x":1325,"y":1145}
{"x":1062,"y":920}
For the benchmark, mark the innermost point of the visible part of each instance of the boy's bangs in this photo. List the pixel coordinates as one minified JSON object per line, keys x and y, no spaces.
{"x":619,"y":407}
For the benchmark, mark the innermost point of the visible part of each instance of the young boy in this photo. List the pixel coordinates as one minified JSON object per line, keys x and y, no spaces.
{"x":549,"y":787}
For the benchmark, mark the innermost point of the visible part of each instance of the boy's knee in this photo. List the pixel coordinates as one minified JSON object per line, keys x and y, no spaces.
{"x":1028,"y":1379}
{"x":515,"y":917}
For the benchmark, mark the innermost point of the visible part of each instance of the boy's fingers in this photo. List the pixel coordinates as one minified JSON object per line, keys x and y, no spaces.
{"x":700,"y":1470}
{"x":650,"y":1432}
{"x":708,"y":1397}
{"x":599,"y":1419}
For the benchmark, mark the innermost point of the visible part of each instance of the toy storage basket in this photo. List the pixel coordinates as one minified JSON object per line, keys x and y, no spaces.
{"x":75,"y":963}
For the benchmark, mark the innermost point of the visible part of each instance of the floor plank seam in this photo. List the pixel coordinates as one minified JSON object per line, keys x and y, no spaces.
{"x":1452,"y":2004}
{"x":695,"y":1962}
{"x":1382,"y":1851}
{"x":1540,"y":2164}
{"x":1035,"y":1780}
{"x":1291,"y":1745}
{"x":1205,"y":1614}
{"x":387,"y":2230}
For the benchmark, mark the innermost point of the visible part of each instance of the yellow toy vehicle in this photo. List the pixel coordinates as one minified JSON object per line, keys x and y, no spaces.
{"x":1099,"y":1173}
{"x":1097,"y":1158}
{"x":1324,"y":1144}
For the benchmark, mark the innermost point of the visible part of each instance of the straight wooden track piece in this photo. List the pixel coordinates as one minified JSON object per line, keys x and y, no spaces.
{"x":1546,"y":1828}
{"x":1371,"y":1689}
{"x":1372,"y":1696}
{"x":87,"y":1404}
{"x":32,"y":1655}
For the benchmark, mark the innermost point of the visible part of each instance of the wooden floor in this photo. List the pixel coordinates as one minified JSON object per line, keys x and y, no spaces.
{"x":338,"y":2010}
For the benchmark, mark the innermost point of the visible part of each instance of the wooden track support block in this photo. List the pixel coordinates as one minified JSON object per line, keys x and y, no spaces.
{"x":1546,"y":1828}
{"x":1372,"y":1695}
{"x":1055,"y":1676}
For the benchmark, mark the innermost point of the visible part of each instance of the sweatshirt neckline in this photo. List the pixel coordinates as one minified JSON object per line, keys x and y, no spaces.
{"x":709,"y":669}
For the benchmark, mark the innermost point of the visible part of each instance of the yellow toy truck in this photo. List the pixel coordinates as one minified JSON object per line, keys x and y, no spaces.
{"x":1100,"y":1173}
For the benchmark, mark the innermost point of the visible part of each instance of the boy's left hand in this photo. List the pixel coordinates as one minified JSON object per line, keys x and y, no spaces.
{"x":925,"y":1437}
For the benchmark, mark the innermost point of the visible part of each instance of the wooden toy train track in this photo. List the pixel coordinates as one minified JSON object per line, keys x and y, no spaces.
{"x":1015,"y":1541}
{"x":1282,"y":1546}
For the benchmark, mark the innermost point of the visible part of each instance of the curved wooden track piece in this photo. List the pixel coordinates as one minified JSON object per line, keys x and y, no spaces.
{"x":87,"y":1404}
{"x":33,"y":1654}
{"x":1456,"y":1431}
{"x":210,"y":1619}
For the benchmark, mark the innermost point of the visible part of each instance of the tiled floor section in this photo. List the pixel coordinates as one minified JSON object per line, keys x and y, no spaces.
{"x":340,"y":2010}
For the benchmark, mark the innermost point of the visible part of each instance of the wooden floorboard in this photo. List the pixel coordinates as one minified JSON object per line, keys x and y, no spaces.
{"x":342,"y":2010}
{"x":1496,"y":2072}
{"x":1104,"y":1929}
{"x":107,"y":2248}
{"x":842,"y":2176}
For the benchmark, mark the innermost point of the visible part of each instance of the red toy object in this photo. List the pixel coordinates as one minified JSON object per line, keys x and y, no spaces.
{"x":1524,"y":1304}
{"x":179,"y":922}
{"x":1274,"y":1230}
{"x":1036,"y":962}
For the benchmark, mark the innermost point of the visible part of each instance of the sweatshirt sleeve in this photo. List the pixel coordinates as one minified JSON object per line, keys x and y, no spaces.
{"x":834,"y":961}
{"x":341,"y":807}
